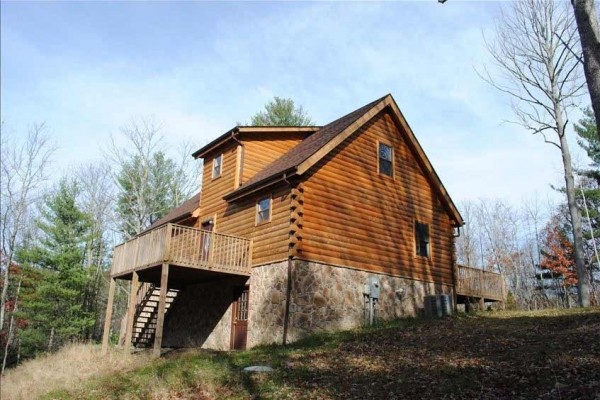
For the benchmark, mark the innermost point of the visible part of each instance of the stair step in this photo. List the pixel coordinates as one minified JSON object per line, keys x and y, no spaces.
{"x":146,"y":319}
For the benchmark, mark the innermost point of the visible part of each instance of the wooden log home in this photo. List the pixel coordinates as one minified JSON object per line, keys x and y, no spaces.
{"x":290,"y":225}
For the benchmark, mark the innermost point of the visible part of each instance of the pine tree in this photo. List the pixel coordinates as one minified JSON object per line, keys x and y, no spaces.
{"x":281,"y":112}
{"x":588,"y":139}
{"x":54,"y":299}
{"x":148,"y":190}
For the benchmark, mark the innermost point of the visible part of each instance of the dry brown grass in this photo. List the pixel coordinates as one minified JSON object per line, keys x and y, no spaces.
{"x":68,"y":368}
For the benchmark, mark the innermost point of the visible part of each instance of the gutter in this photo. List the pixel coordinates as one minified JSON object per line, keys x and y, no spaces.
{"x":244,"y":191}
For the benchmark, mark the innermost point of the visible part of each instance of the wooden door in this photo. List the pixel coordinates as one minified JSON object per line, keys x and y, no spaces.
{"x":208,"y":227}
{"x":239,"y":324}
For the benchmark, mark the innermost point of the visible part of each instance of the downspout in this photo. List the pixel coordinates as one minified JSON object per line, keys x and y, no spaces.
{"x":288,"y":288}
{"x":241,"y":171}
{"x":455,"y":269}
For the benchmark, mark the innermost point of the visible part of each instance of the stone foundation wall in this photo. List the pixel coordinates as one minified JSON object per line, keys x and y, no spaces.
{"x":201,"y":316}
{"x":325,"y":297}
{"x":267,"y":304}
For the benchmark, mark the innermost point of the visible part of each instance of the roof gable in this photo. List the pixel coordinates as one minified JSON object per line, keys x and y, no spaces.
{"x":312,"y":149}
{"x":307,"y":149}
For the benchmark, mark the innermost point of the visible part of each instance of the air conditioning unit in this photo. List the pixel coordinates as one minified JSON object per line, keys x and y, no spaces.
{"x":438,"y":305}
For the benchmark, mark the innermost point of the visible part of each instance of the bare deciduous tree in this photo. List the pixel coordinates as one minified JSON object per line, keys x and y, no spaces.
{"x":96,"y":198}
{"x":537,"y":67}
{"x":23,"y":172}
{"x":149,"y":182}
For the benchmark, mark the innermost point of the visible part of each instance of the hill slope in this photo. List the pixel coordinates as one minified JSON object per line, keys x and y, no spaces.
{"x":508,"y":355}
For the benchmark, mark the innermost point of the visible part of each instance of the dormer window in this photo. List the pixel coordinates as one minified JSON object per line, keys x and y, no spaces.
{"x":386,"y":160}
{"x":217,"y":166}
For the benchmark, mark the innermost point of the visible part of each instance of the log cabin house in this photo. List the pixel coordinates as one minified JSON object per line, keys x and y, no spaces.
{"x":290,"y":225}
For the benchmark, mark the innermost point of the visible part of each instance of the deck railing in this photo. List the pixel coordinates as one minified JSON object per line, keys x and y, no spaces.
{"x":184,"y":246}
{"x":475,"y":282}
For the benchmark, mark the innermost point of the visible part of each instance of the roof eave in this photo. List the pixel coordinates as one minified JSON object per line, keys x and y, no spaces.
{"x":221,"y":140}
{"x":227,"y":136}
{"x":243,"y":192}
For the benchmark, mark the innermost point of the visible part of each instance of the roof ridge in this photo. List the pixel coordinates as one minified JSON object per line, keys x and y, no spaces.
{"x":309,"y":146}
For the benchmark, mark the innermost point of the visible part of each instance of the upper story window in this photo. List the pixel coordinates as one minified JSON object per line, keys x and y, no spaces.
{"x":217,"y":166}
{"x":263,"y":210}
{"x":386,"y":160}
{"x":422,"y":239}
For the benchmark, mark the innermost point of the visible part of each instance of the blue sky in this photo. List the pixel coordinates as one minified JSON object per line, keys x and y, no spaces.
{"x":87,"y":68}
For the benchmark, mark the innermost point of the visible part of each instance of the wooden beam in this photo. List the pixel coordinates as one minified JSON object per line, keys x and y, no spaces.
{"x":135,"y":284}
{"x":108,"y":316}
{"x":162,"y":300}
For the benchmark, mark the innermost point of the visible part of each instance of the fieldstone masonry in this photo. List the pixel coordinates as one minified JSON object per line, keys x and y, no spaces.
{"x":324,"y":297}
{"x":267,"y":304}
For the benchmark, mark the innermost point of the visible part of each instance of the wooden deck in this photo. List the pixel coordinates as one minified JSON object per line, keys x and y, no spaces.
{"x":185,"y":247}
{"x":481,"y":284}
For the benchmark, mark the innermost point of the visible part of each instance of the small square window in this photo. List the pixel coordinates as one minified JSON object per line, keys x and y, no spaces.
{"x":217,"y":163}
{"x":263,"y":211}
{"x":386,"y":160}
{"x":422,"y":239}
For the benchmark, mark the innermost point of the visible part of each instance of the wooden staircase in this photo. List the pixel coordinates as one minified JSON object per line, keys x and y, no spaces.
{"x":146,"y":314}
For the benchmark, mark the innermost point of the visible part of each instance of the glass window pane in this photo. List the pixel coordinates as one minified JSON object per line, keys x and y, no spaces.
{"x":217,"y":166}
{"x":385,"y":152}
{"x":263,"y":210}
{"x":385,"y":160}
{"x":422,"y":239}
{"x":385,"y":167}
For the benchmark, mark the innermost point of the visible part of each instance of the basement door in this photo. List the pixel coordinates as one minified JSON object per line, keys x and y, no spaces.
{"x":239,"y":323}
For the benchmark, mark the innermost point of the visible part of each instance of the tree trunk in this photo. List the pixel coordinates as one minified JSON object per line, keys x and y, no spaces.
{"x":583,"y":286}
{"x":51,"y":340}
{"x":589,"y":34}
{"x":11,"y":328}
{"x":6,"y":282}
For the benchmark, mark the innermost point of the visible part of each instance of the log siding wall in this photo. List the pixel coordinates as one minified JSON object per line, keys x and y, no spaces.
{"x":270,"y":239}
{"x":357,"y":217}
{"x":264,"y":148}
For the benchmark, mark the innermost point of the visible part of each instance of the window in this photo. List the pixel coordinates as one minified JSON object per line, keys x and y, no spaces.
{"x":422,"y":239}
{"x":263,"y":210}
{"x":386,"y":160}
{"x":217,"y":164}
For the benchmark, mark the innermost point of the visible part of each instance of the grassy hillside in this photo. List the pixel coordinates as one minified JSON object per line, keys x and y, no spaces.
{"x":548,"y":355}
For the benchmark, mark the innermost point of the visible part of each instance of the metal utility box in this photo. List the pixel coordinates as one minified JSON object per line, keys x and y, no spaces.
{"x":438,"y":305}
{"x":374,"y":287}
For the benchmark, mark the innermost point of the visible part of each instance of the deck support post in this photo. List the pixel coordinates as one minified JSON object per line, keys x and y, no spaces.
{"x":108,"y":316}
{"x":135,"y":283}
{"x":162,"y":300}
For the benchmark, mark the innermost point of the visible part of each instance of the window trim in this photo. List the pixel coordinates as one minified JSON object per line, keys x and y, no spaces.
{"x":220,"y":166}
{"x":393,"y":161}
{"x":416,"y":240}
{"x":256,"y":221}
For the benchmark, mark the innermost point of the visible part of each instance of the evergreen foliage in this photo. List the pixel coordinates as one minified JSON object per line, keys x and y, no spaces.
{"x":588,"y":139}
{"x":148,"y":190}
{"x":281,"y":112}
{"x":54,"y":305}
